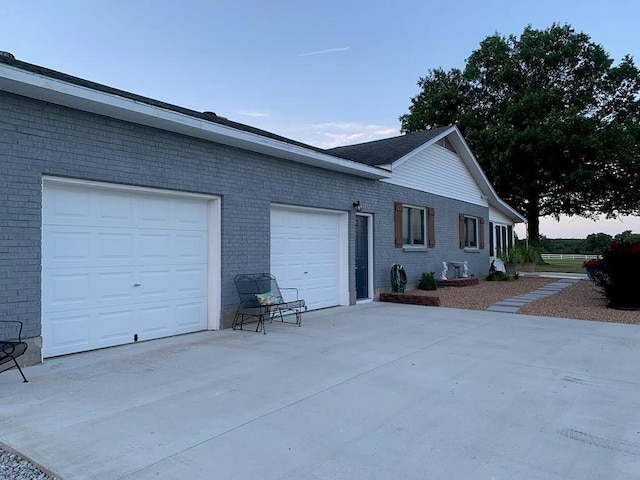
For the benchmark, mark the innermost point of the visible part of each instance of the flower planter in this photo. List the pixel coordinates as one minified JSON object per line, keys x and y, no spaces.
{"x":526,"y":267}
{"x":510,"y":268}
{"x":591,"y":272}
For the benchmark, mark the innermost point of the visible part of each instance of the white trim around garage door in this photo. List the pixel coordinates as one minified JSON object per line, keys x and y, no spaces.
{"x":214,"y":235}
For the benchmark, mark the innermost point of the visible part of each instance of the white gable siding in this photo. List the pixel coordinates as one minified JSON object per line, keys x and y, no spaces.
{"x":440,"y":171}
{"x":496,"y":216}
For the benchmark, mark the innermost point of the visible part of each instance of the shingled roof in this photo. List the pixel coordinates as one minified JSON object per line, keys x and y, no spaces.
{"x":209,"y":116}
{"x":387,"y":150}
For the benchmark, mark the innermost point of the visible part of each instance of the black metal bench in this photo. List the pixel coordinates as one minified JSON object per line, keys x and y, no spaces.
{"x":261,"y":299}
{"x":12,"y":346}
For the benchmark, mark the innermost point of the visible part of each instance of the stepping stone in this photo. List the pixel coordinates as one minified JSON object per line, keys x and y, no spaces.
{"x":498,"y":308}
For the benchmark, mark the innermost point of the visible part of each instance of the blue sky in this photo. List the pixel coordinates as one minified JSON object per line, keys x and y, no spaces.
{"x":326,"y":73}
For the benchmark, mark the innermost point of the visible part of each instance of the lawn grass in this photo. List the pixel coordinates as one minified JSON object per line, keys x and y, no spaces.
{"x":566,"y":265}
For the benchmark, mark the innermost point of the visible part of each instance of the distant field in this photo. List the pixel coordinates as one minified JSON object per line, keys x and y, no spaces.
{"x":565,"y":265}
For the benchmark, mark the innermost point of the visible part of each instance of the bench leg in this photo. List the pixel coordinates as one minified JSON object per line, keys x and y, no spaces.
{"x":20,"y":370}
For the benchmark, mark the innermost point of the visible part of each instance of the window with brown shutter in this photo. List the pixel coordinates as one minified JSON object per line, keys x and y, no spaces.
{"x":414,"y":226}
{"x":461,"y":235}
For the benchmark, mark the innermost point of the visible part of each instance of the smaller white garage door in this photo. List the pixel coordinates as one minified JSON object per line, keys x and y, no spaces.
{"x":307,"y":252}
{"x":120,"y":266}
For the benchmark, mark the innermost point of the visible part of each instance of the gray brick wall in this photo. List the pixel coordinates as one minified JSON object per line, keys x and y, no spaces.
{"x":38,"y":138}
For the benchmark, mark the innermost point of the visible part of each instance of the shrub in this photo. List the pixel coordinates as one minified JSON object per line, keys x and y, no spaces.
{"x":519,"y":254}
{"x":497,"y":276}
{"x":510,"y":256}
{"x":428,"y":281}
{"x":620,"y":266}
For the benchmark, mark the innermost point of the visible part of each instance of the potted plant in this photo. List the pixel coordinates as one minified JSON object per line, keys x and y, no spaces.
{"x":511,"y":258}
{"x":592,"y":266}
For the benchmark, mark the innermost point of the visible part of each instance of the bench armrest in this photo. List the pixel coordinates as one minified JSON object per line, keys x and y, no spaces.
{"x":14,"y":322}
{"x":291,"y":288}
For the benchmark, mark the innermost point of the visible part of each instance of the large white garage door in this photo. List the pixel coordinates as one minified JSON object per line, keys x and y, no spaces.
{"x":120,"y":266}
{"x":305,"y":253}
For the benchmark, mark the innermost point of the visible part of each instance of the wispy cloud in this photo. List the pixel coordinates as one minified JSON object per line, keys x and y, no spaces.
{"x":253,"y":114}
{"x":336,"y":134}
{"x":321,"y":52}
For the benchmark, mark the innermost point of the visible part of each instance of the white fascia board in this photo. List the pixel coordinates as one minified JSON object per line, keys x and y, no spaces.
{"x":40,"y":87}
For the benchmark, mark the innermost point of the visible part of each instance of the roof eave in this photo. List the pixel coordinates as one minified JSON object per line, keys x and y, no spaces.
{"x":41,"y":87}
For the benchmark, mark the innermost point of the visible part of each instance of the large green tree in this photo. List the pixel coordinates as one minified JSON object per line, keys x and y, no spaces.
{"x":553,"y":122}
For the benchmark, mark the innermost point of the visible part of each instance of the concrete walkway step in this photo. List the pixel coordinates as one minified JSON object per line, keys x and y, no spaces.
{"x":515,"y":303}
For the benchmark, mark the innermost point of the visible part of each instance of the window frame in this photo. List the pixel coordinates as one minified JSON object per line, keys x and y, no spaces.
{"x":476,"y":233}
{"x":479,"y":232}
{"x":423,"y":215}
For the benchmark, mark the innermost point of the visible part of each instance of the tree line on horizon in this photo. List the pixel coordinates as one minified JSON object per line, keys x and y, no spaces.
{"x":593,"y":244}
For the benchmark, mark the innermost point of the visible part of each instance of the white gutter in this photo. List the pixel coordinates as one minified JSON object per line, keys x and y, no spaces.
{"x":42,"y":87}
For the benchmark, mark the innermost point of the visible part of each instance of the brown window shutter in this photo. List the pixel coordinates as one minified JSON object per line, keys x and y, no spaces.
{"x":431,"y":227}
{"x":481,"y":232}
{"x":397,"y":223}
{"x":461,"y":229}
{"x":510,"y":236}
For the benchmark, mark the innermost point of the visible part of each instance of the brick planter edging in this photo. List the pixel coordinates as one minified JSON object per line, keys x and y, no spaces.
{"x":459,"y":282}
{"x":427,"y":301}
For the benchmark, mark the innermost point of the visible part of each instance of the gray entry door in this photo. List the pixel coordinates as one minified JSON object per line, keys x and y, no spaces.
{"x":362,"y":257}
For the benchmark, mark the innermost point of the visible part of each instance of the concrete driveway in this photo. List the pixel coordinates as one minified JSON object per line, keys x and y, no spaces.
{"x":375,"y":391}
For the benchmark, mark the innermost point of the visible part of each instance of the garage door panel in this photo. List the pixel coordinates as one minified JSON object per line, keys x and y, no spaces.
{"x":154,"y":212}
{"x":113,"y":209}
{"x":190,"y":247}
{"x":154,"y":284}
{"x":190,"y":282}
{"x":113,"y":246}
{"x":156,"y":321}
{"x":114,"y":286}
{"x":154,"y":247}
{"x":122,"y":263}
{"x":67,"y":207}
{"x":190,"y":314}
{"x":66,"y":248}
{"x":67,"y":333}
{"x":113,"y":326}
{"x":67,"y":290}
{"x":193,"y":216}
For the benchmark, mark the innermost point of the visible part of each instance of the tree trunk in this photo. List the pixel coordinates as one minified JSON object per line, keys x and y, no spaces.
{"x":533,"y":219}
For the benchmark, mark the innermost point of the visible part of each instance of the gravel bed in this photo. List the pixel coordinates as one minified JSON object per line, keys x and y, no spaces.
{"x":14,"y":467}
{"x":582,"y":301}
{"x":483,"y":295}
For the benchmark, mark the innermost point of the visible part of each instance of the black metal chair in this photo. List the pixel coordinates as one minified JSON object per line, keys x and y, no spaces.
{"x":13,"y":346}
{"x":261,"y":298}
